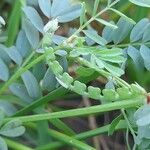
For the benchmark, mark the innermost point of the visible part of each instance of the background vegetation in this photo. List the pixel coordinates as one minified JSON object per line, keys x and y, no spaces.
{"x":74,"y":74}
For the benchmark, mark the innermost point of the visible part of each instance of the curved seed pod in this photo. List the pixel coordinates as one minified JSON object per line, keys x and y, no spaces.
{"x":79,"y":88}
{"x":136,"y":89}
{"x":94,"y":92}
{"x":124,"y":93}
{"x":66,"y":78}
{"x":50,"y":56}
{"x":110,"y":95}
{"x":56,"y":67}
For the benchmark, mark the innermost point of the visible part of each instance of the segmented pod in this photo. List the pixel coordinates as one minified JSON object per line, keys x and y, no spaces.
{"x":94,"y":92}
{"x":56,"y":67}
{"x":110,"y":95}
{"x":124,"y":92}
{"x":79,"y":88}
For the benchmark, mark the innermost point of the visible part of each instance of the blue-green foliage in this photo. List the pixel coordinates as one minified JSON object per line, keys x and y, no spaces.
{"x":105,"y":54}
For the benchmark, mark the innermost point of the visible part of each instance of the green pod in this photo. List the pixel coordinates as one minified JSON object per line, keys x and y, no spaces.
{"x":50,"y":56}
{"x":94,"y":92}
{"x":136,"y":89}
{"x":110,"y":95}
{"x":79,"y":88}
{"x":124,"y":93}
{"x":56,"y":67}
{"x":66,"y":78}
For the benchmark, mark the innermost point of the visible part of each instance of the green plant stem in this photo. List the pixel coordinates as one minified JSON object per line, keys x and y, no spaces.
{"x":127,"y":139}
{"x":16,"y":146}
{"x":14,"y":22}
{"x":20,"y":71}
{"x":28,"y":59}
{"x":70,"y":140}
{"x":129,"y":125}
{"x":88,"y":134}
{"x":56,"y":94}
{"x":82,"y":111}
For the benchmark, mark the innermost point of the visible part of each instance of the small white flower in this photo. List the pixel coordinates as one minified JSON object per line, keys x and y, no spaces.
{"x":51,"y":26}
{"x":2,"y":21}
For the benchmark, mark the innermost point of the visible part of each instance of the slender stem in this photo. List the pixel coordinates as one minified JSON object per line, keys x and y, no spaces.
{"x":82,"y":111}
{"x":127,"y":139}
{"x":28,"y":59}
{"x":128,"y":123}
{"x":88,"y":134}
{"x":70,"y":140}
{"x":16,"y":145}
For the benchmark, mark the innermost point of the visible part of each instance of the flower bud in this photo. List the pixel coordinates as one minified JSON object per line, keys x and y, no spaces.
{"x":51,"y":26}
{"x":2,"y":21}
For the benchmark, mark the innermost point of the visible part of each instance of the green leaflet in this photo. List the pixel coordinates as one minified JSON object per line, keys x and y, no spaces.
{"x":113,"y":125}
{"x":95,"y":37}
{"x":106,"y":23}
{"x":143,"y":3}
